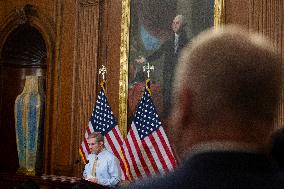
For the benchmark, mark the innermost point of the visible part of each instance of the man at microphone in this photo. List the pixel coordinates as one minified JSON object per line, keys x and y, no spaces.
{"x":102,"y":167}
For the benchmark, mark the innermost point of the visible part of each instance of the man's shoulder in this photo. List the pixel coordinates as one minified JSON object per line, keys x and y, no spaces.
{"x":216,"y":170}
{"x":185,"y":179}
{"x":248,"y":169}
{"x":173,"y":180}
{"x":107,"y":154}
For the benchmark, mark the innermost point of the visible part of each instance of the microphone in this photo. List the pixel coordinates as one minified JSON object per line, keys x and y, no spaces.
{"x":84,"y":168}
{"x":77,"y":161}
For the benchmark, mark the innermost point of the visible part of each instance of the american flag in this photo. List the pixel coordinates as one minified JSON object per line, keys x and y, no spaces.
{"x":103,"y":121}
{"x":146,"y":150}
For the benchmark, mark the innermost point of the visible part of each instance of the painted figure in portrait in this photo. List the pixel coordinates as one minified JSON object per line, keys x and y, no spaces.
{"x":159,"y":29}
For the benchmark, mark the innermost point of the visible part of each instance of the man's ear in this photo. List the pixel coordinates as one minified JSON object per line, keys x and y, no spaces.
{"x":180,"y":121}
{"x":101,"y":143}
{"x":181,"y":113}
{"x":185,"y":107}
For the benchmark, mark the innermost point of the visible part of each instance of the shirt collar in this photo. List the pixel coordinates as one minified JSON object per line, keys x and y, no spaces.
{"x":176,"y":35}
{"x":101,"y":152}
{"x":223,"y":146}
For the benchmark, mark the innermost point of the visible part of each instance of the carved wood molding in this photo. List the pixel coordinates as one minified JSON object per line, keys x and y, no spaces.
{"x":86,"y":3}
{"x":28,"y":14}
{"x":25,"y":13}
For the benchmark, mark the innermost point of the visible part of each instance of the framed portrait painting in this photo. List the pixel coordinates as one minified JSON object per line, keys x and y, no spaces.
{"x":153,"y":33}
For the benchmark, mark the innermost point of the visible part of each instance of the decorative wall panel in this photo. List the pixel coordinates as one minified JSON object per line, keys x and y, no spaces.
{"x":85,"y":68}
{"x":266,"y":16}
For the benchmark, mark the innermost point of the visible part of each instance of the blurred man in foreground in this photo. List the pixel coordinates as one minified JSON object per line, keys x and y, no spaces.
{"x":277,"y":149}
{"x":227,"y":87}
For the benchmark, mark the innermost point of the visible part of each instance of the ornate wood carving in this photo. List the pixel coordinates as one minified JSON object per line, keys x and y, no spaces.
{"x":85,"y":3}
{"x":26,"y":12}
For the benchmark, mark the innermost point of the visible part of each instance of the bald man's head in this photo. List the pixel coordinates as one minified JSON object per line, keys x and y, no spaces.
{"x":231,"y":69}
{"x":227,"y":88}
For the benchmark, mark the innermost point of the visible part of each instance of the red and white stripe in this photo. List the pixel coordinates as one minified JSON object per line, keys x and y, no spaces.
{"x":113,"y":143}
{"x":149,"y":156}
{"x":84,"y":148}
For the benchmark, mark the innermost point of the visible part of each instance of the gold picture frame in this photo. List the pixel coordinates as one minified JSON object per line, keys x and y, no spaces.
{"x":219,"y":19}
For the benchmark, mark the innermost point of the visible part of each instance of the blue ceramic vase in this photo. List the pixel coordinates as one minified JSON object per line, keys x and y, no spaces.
{"x":29,"y":113}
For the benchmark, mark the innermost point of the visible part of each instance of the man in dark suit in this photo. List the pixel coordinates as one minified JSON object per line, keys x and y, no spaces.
{"x":170,"y":49}
{"x":277,"y":149}
{"x":227,"y":88}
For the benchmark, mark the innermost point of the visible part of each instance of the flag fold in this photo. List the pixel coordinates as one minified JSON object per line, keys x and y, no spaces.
{"x":146,"y":149}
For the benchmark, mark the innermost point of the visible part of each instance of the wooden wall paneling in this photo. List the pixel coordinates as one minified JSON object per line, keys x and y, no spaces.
{"x":112,"y":56}
{"x":62,"y":129}
{"x":85,"y":73}
{"x":280,"y":45}
{"x":237,"y":12}
{"x":50,"y":145}
{"x":275,"y":31}
{"x":102,"y":48}
{"x":266,"y":16}
{"x":281,"y":5}
{"x":253,"y":15}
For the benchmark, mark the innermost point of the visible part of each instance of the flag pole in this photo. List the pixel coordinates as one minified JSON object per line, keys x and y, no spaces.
{"x":148,"y":86}
{"x":148,"y":69}
{"x":102,"y":72}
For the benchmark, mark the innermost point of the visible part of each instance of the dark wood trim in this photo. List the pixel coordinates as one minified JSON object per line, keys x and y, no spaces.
{"x":45,"y":181}
{"x":23,"y":65}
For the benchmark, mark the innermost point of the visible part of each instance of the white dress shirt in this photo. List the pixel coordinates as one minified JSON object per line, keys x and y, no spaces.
{"x":107,"y":168}
{"x":176,"y":42}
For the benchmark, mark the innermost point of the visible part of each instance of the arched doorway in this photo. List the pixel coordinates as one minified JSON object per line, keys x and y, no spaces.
{"x":24,"y":53}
